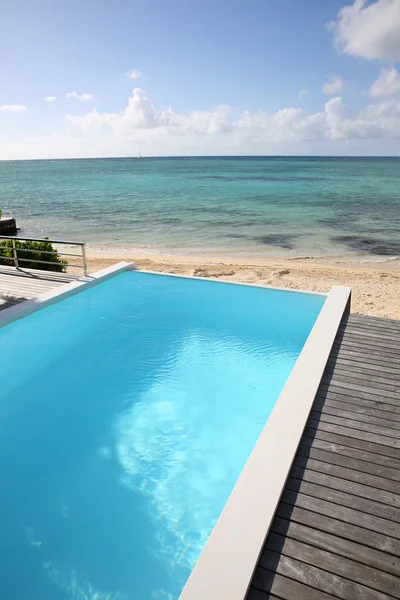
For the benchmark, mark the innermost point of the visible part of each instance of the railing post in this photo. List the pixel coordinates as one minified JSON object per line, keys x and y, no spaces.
{"x":15,"y":254}
{"x":84,"y":259}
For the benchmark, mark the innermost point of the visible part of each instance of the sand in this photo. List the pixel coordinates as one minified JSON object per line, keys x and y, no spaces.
{"x":375,"y":285}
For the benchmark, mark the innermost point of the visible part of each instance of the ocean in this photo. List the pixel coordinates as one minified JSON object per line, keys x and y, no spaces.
{"x":244,"y":206}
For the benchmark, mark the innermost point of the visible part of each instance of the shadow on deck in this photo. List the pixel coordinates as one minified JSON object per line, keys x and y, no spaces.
{"x":17,"y":285}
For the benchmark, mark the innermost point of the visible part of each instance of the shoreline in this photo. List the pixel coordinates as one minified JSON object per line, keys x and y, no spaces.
{"x":245,"y":257}
{"x":376,"y":284}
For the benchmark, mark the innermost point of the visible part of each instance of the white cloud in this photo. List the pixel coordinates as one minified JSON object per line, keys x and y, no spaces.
{"x":369,"y":30}
{"x":333,"y":87}
{"x":49,"y":98}
{"x":12,"y":107}
{"x":134,"y":74}
{"x":91,"y":120}
{"x":335,"y":129}
{"x":387,"y":84}
{"x":303,"y":93}
{"x":142,"y":121}
{"x":141,"y":114}
{"x":83,"y":97}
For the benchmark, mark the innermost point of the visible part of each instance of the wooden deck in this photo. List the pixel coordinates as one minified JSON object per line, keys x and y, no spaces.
{"x":336,"y":533}
{"x":17,"y":285}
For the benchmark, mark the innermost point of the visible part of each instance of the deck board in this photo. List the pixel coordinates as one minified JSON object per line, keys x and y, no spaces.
{"x":336,"y":532}
{"x":17,"y":285}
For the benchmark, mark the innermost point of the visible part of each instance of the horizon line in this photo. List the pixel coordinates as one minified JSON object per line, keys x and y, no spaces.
{"x":209,"y":156}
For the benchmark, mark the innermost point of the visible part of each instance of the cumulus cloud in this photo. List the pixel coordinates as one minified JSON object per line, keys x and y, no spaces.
{"x":12,"y":107}
{"x":141,"y":114}
{"x":134,"y":74}
{"x":333,"y":87}
{"x":49,"y":98}
{"x":91,"y":120}
{"x":387,"y":84}
{"x":369,"y":30}
{"x":335,"y":129}
{"x":142,"y":120}
{"x":83,"y":97}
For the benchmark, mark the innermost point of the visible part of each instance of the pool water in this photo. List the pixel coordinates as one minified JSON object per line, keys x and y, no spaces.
{"x":127,"y":413}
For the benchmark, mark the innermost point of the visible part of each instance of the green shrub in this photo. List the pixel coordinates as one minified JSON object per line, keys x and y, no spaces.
{"x":1,"y":212}
{"x":29,"y":260}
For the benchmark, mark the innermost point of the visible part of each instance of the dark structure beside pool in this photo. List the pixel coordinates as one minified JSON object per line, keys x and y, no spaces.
{"x":336,"y":533}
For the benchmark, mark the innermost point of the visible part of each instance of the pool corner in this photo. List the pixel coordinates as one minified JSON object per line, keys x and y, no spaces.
{"x":69,"y":289}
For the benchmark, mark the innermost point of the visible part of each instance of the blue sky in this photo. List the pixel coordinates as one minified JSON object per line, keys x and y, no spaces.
{"x":214,"y":77}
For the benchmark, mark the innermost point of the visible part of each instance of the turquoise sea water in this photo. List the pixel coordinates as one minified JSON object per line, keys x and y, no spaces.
{"x":253,"y":206}
{"x":137,"y":406}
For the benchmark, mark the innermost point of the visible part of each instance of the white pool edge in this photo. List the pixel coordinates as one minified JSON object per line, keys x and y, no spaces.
{"x":230,"y":556}
{"x":241,"y":283}
{"x":227,"y":562}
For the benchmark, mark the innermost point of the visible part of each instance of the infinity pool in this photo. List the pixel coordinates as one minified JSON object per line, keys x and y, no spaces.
{"x":127,"y":413}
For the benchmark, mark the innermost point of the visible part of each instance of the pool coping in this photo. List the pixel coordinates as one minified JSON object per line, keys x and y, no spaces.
{"x":226,"y":565}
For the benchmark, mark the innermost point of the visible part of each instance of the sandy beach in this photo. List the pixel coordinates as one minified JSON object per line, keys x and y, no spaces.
{"x":375,"y":285}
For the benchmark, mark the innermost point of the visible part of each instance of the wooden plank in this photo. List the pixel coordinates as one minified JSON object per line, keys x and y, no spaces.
{"x":34,"y":273}
{"x":350,"y":344}
{"x":337,"y":447}
{"x":388,"y":490}
{"x":377,"y":359}
{"x":367,"y":373}
{"x":372,"y":328}
{"x":27,"y":281}
{"x":337,"y":437}
{"x":360,"y":407}
{"x":380,"y":440}
{"x":355,"y":464}
{"x":363,"y":367}
{"x":366,"y":329}
{"x":385,"y":381}
{"x":379,"y":330}
{"x":368,"y":333}
{"x":281,"y":587}
{"x":343,"y":499}
{"x":317,"y":578}
{"x":347,"y":530}
{"x":342,"y":397}
{"x":359,"y":578}
{"x":368,"y":342}
{"x":373,"y":321}
{"x":343,"y":388}
{"x":327,"y":408}
{"x":364,"y":383}
{"x":348,"y":486}
{"x":350,"y":423}
{"x":348,"y":384}
{"x":378,"y":321}
{"x":320,"y":539}
{"x":377,"y":355}
{"x":355,"y":353}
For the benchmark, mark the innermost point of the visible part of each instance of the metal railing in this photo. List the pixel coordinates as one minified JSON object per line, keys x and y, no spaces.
{"x":18,"y":259}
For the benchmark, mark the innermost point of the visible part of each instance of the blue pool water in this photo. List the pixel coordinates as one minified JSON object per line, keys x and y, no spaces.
{"x":127,"y":413}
